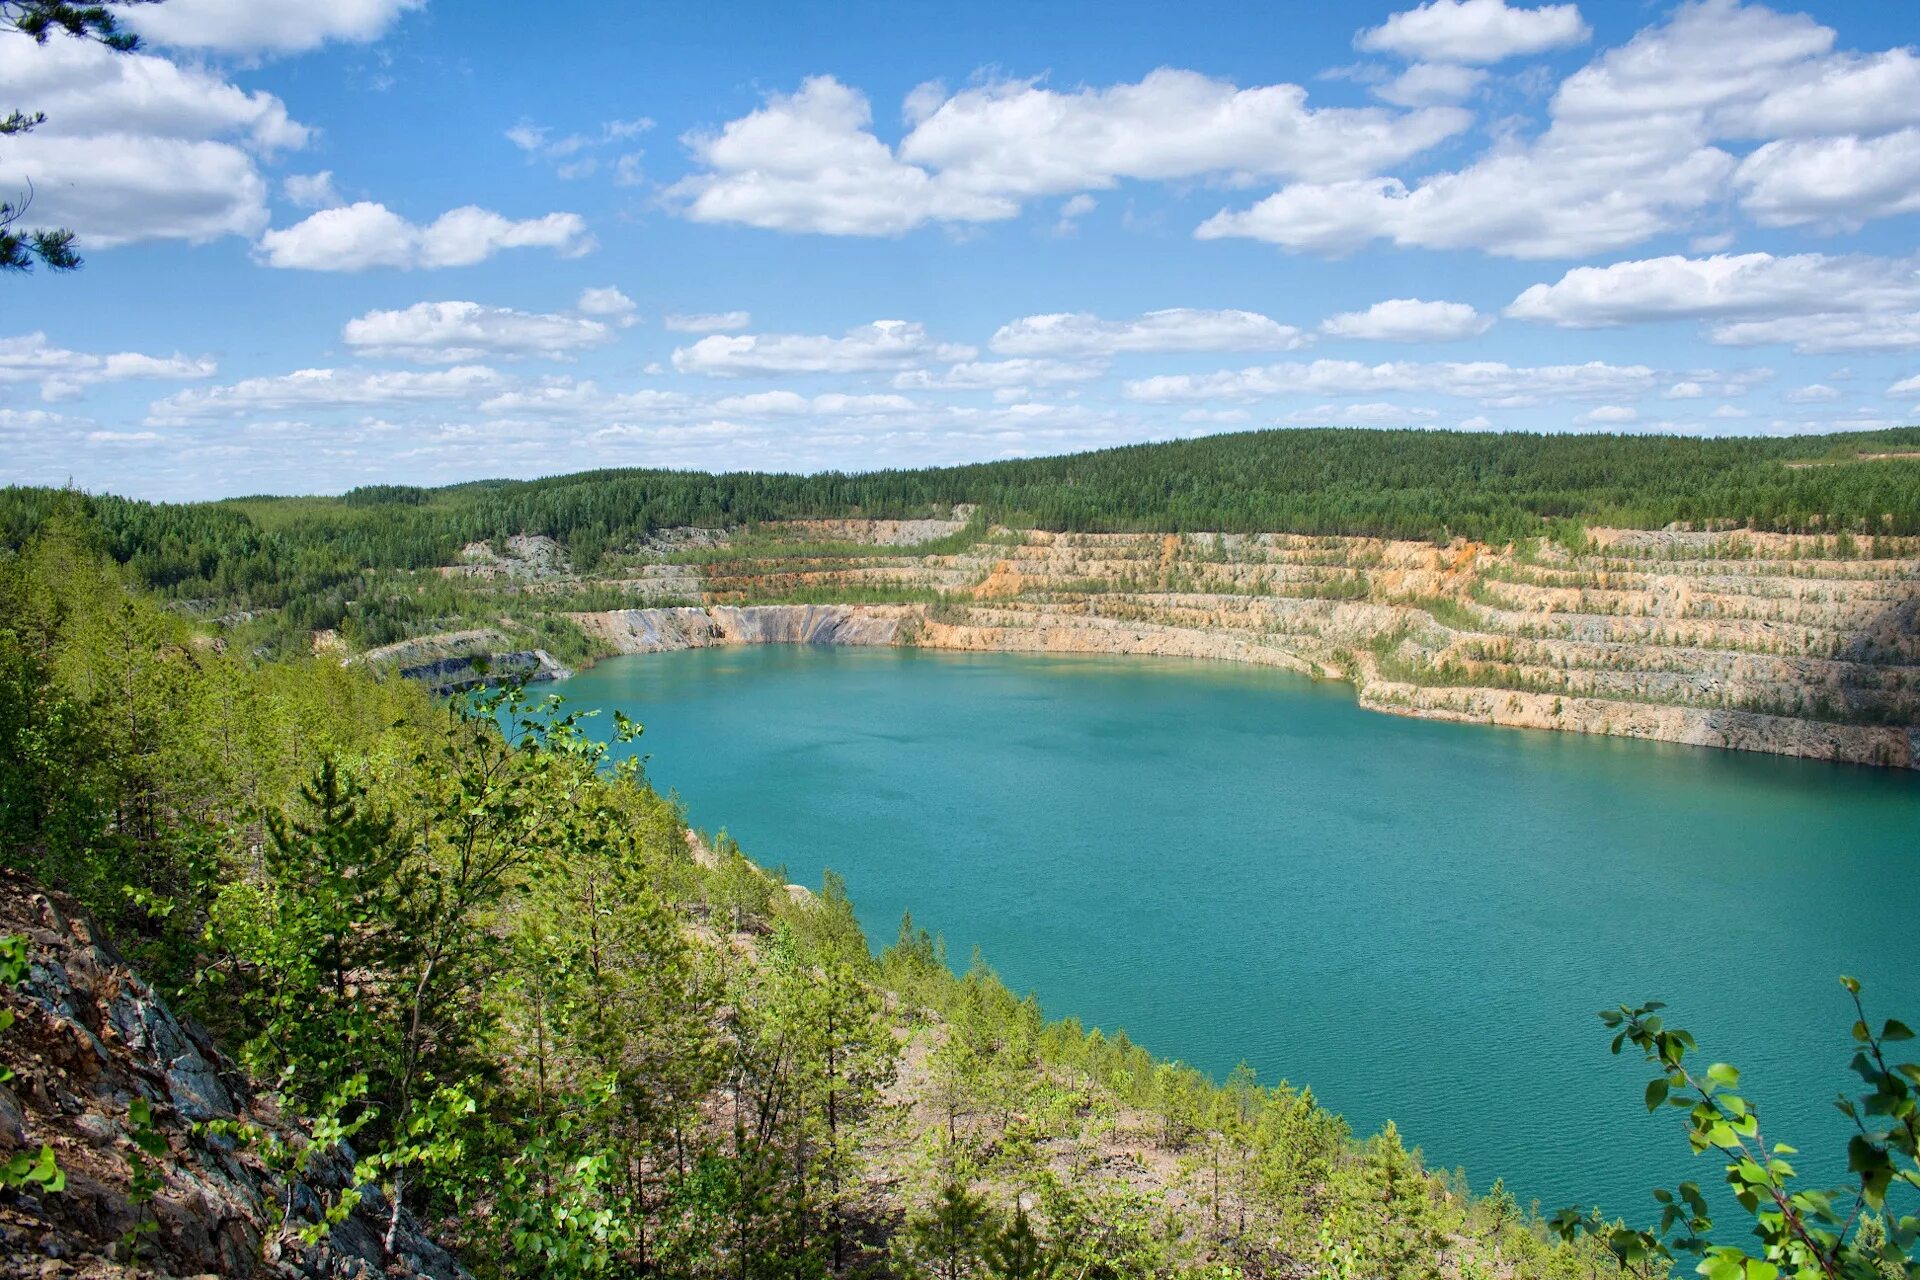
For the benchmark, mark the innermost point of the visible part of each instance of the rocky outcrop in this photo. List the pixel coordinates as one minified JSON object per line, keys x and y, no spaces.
{"x":473,"y":671}
{"x":1793,"y":644}
{"x":660,"y":630}
{"x":89,"y":1038}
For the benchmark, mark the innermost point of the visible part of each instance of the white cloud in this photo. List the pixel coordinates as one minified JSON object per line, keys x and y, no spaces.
{"x":1017,"y":138}
{"x":574,"y":155}
{"x":708,"y":322}
{"x":325,"y":389}
{"x":1839,"y":182}
{"x":247,"y":26}
{"x":1426,"y":84}
{"x":1072,"y":210}
{"x":1724,"y":285}
{"x":1629,"y":151}
{"x":61,"y":373}
{"x":1475,"y":31}
{"x":810,"y":161}
{"x":1813,"y":393}
{"x":1609,"y":413}
{"x":565,"y":397}
{"x":137,"y":148}
{"x":459,"y":332}
{"x":981,"y":375}
{"x":1906,"y":386}
{"x":311,"y":190}
{"x":807,"y":162}
{"x":1489,"y":381}
{"x":1815,"y":302}
{"x":1410,"y":320}
{"x":884,"y":344}
{"x":1174,"y":329}
{"x":359,"y":236}
{"x":610,"y":303}
{"x":1728,"y":412}
{"x":1685,"y":391}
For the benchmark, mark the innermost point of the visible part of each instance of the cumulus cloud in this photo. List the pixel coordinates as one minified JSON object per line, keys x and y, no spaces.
{"x":247,"y":26}
{"x":459,"y":332}
{"x":884,"y":344}
{"x":1814,"y":302}
{"x":1489,"y":381}
{"x":608,"y":303}
{"x":325,"y":389}
{"x":1608,"y":414}
{"x":136,"y":147}
{"x":62,"y":373}
{"x":1630,"y":149}
{"x":1409,"y":320}
{"x":1840,"y":182}
{"x":1475,"y":31}
{"x":1747,"y":284}
{"x":1813,"y":393}
{"x":810,"y":161}
{"x":360,"y":236}
{"x":708,"y":322}
{"x":1174,"y":329}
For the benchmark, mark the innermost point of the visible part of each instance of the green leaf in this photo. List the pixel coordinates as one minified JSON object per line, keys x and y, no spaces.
{"x":1656,"y":1093}
{"x":1724,"y":1074}
{"x":1896,"y":1030}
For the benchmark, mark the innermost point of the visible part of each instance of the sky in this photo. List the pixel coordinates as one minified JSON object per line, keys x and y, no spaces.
{"x":420,"y":241}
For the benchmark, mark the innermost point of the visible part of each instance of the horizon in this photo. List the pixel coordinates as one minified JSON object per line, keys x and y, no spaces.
{"x":1834,"y":437}
{"x":396,"y":243}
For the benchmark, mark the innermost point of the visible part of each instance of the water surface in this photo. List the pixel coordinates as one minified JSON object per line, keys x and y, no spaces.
{"x":1418,"y":919}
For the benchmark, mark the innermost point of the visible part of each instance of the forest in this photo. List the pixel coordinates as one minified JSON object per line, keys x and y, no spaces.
{"x":574,"y":1041}
{"x":264,"y":552}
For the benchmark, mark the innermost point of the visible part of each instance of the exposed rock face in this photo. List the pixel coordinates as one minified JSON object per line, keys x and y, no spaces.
{"x":90,"y":1037}
{"x":1790,"y":644}
{"x":458,"y":674}
{"x":660,"y":630}
{"x":528,"y":557}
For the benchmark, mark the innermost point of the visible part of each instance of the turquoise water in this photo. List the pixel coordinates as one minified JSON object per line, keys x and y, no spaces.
{"x":1418,"y":919}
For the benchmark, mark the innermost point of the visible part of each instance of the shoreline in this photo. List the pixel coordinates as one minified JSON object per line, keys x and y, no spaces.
{"x":661,"y":630}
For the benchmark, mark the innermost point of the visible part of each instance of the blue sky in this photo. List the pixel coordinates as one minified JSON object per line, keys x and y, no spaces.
{"x":408,"y":240}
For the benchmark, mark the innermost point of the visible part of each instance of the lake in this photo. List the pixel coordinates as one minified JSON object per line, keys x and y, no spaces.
{"x":1417,"y":919}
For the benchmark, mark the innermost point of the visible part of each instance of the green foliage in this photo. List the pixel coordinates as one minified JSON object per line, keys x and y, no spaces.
{"x":23,"y":1169}
{"x":1839,"y":1234}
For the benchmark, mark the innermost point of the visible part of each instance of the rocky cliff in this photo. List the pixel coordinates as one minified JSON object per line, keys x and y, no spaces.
{"x":89,"y":1039}
{"x":1792,"y":644}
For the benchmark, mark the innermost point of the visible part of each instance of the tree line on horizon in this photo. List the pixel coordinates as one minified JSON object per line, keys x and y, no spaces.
{"x":262,"y":551}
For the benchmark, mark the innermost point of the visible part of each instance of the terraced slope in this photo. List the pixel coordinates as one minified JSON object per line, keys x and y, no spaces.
{"x":1802,"y":645}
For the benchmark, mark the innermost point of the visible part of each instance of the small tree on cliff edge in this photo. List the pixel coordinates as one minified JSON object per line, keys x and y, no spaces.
{"x":39,"y":19}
